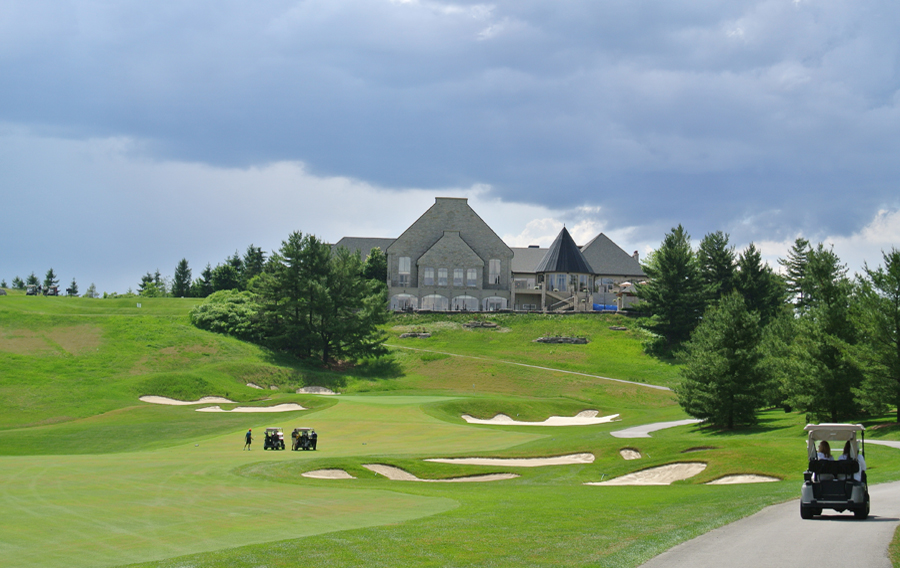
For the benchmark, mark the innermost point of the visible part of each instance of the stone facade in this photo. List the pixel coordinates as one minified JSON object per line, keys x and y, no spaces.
{"x":424,"y":263}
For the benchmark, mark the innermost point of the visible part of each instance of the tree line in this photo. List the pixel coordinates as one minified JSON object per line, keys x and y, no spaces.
{"x":810,"y":338}
{"x":51,"y":280}
{"x":305,"y":299}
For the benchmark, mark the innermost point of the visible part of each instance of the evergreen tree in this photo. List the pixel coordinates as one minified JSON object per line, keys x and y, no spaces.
{"x":879,"y":318}
{"x":830,"y":375}
{"x":348,"y":315}
{"x":722,"y":379}
{"x":181,"y":283}
{"x":202,"y":287}
{"x":715,"y":259}
{"x":795,"y":266}
{"x":18,"y":283}
{"x":72,"y":290}
{"x":673,"y":294}
{"x":50,"y":279}
{"x":254,"y":264}
{"x":761,"y":288}
{"x":3,"y":284}
{"x":91,"y":291}
{"x":225,"y":277}
{"x":32,"y":280}
{"x":376,"y":266}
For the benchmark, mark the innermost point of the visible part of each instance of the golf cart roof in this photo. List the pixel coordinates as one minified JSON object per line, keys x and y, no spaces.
{"x":841,"y":432}
{"x":302,"y":428}
{"x":273,"y":429}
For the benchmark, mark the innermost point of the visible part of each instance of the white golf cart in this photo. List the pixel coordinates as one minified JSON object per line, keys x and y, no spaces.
{"x":838,"y":483}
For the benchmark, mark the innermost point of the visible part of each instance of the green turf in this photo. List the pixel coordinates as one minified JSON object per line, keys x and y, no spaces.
{"x":90,"y":476}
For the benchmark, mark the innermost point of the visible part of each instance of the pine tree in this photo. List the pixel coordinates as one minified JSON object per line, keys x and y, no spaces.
{"x":830,"y":375}
{"x":32,"y":280}
{"x":716,"y":262}
{"x":72,"y":290}
{"x":879,"y":317}
{"x":254,"y":263}
{"x":50,"y":279}
{"x":795,"y":266}
{"x":722,"y":379}
{"x":91,"y":291}
{"x":376,"y":266}
{"x":673,"y":294}
{"x":18,"y":283}
{"x":181,"y":283}
{"x":762,"y":289}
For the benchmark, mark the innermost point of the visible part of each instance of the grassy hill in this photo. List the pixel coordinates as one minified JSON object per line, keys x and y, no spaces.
{"x":118,"y":481}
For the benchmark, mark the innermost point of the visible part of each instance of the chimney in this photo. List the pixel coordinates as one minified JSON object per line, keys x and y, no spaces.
{"x":635,"y":256}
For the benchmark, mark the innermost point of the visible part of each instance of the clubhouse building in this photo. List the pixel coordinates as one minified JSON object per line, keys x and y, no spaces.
{"x":449,"y":259}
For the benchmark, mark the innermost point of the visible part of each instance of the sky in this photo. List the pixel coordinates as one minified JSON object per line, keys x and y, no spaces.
{"x":134,"y":134}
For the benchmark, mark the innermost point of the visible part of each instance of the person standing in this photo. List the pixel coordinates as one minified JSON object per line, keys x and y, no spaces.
{"x":248,"y":438}
{"x":313,"y":438}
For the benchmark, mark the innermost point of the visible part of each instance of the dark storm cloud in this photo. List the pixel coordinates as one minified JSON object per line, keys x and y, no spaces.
{"x":660,"y":111}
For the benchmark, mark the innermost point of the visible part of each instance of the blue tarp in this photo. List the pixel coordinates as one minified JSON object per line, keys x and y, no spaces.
{"x":605,"y":307}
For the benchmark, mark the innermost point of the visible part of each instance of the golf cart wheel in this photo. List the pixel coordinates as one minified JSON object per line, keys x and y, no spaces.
{"x":806,"y":512}
{"x":862,"y":514}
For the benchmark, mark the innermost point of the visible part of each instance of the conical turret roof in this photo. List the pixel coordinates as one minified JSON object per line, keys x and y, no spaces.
{"x":564,"y":256}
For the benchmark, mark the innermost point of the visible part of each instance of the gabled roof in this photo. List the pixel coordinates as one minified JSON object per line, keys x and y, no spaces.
{"x":451,"y":243}
{"x":525,"y":260}
{"x":610,"y":259}
{"x":564,"y":256}
{"x":363,"y":244}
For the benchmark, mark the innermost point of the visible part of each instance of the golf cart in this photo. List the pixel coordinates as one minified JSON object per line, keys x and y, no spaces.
{"x":274,"y":439}
{"x":835,"y":484}
{"x":304,"y":439}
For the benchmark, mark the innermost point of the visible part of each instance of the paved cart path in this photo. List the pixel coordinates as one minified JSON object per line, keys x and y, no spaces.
{"x":777,"y":536}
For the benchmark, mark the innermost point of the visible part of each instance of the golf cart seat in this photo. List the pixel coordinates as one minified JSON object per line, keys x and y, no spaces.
{"x":842,"y":467}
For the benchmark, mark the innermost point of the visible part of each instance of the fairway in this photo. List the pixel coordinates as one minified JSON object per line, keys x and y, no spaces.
{"x":91,"y":476}
{"x":114,"y":509}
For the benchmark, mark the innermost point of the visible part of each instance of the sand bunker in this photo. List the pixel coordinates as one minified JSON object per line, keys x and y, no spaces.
{"x":173,"y":402}
{"x":315,"y":390}
{"x":327,"y":474}
{"x":584,"y":418}
{"x":397,"y":474}
{"x":744,"y":478}
{"x":288,"y":407}
{"x":254,"y":386}
{"x":630,"y":454}
{"x":662,"y":475}
{"x":570,"y":459}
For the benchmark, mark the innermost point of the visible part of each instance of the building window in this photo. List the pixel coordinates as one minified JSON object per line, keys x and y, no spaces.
{"x":465,"y":303}
{"x":403,"y":271}
{"x":435,"y":302}
{"x":493,"y":303}
{"x":472,"y":278}
{"x":428,"y":277}
{"x":403,"y":302}
{"x":494,"y":273}
{"x":458,"y":277}
{"x":442,"y":276}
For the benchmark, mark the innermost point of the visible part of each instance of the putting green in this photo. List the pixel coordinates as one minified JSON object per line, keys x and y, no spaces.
{"x":105,"y":510}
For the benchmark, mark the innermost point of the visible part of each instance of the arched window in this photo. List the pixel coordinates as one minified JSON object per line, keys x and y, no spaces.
{"x":493,"y":303}
{"x":403,"y":302}
{"x":464,"y":303}
{"x":435,"y":302}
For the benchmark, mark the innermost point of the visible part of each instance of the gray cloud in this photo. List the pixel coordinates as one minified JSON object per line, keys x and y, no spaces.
{"x":769,"y":117}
